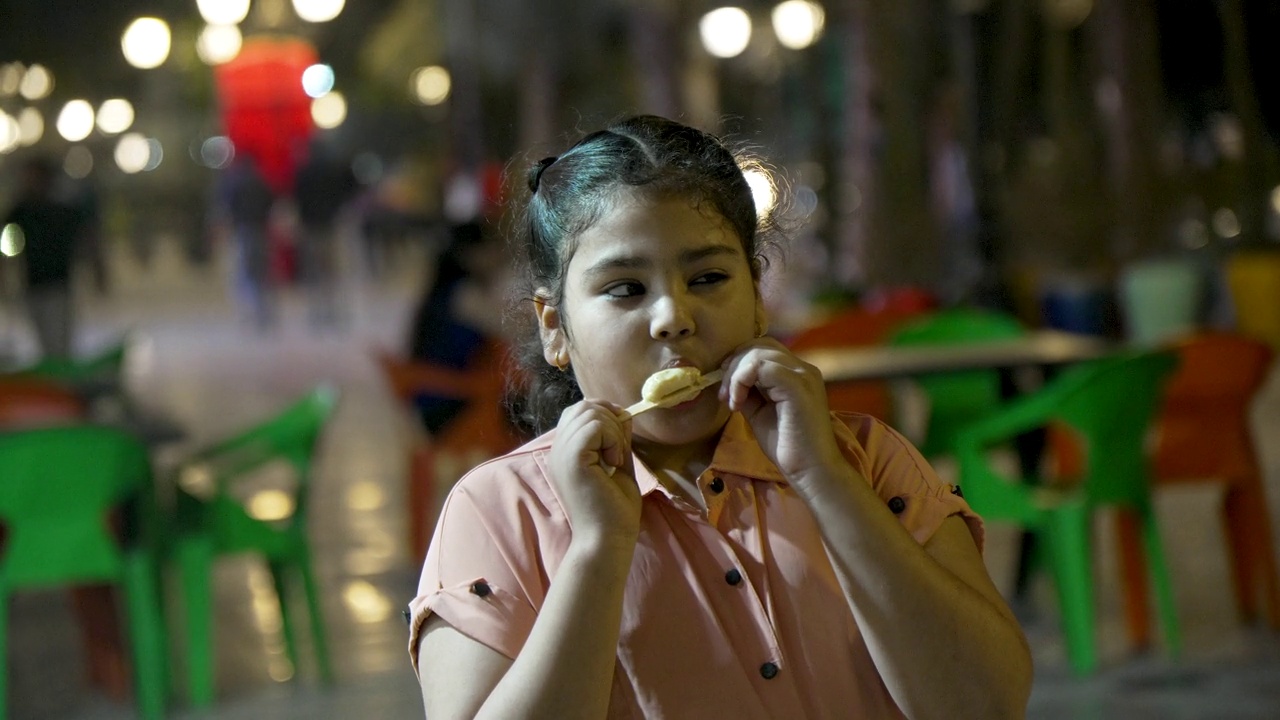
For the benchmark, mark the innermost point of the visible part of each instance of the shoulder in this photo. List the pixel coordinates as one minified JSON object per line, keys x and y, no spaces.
{"x":883,"y":455}
{"x":514,"y":482}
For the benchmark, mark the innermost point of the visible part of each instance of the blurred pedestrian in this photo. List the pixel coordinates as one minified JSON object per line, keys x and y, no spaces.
{"x":50,"y":232}
{"x":455,"y":317}
{"x":247,"y":201}
{"x":322,"y":187}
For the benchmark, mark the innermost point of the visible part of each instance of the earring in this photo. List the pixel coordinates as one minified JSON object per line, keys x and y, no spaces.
{"x":562,"y":362}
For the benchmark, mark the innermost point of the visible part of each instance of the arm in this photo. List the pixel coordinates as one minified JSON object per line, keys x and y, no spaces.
{"x":565,"y":667}
{"x":942,"y":639}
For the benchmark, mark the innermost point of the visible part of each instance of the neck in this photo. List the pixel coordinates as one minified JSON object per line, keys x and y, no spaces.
{"x":677,"y":467}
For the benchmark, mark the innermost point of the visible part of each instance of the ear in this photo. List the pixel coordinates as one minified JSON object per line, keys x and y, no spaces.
{"x":762,"y":317}
{"x":555,"y":344}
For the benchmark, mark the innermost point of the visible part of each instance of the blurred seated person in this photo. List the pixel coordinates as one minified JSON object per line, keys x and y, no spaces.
{"x":458,"y":314}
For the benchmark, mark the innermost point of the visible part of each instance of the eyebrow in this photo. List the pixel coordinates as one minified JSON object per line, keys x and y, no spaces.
{"x":688,"y":257}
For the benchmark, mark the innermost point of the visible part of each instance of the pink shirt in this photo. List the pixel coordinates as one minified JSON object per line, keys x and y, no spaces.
{"x":735,"y":613}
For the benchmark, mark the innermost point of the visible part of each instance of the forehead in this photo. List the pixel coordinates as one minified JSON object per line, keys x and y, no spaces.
{"x":654,"y":228}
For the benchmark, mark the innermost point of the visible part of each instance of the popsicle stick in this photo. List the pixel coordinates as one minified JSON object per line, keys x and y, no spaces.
{"x":675,"y":398}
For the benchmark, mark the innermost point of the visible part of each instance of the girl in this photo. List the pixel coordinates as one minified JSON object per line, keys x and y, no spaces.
{"x":746,"y":554}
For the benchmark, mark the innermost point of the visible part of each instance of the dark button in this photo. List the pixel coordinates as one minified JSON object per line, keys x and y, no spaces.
{"x":408,"y":616}
{"x":716,"y":485}
{"x":481,"y":589}
{"x":733,"y":577}
{"x":955,"y":490}
{"x":769,"y":671}
{"x":897,"y":505}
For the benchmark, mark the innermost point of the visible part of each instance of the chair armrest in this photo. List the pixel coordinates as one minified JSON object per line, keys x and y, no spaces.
{"x":1012,"y":419}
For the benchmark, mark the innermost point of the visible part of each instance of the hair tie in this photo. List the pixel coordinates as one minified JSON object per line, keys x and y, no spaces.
{"x":535,"y":175}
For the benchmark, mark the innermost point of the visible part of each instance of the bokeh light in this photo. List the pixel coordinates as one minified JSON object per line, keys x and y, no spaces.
{"x":36,"y":83}
{"x":219,"y":44}
{"x":9,"y":133}
{"x":318,"y":11}
{"x":223,"y":12}
{"x":217,"y":152}
{"x":12,"y":240}
{"x":317,"y":80}
{"x":146,"y":43}
{"x":30,"y":126}
{"x":762,"y":190}
{"x":798,"y":23}
{"x":115,"y":116}
{"x":79,"y":162}
{"x":329,"y":111}
{"x":133,"y":153}
{"x":725,"y":31}
{"x":431,"y":84}
{"x":10,"y":78}
{"x":75,"y":122}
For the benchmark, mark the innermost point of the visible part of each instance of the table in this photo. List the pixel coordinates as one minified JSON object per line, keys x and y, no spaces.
{"x":1037,"y":349}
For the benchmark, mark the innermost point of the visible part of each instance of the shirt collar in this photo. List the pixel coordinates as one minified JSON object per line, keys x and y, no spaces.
{"x":737,"y":453}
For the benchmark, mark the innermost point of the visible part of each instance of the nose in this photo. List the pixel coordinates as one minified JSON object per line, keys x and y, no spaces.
{"x":671,"y":318}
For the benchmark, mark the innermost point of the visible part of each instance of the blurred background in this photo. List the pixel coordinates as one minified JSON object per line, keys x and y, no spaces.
{"x":210,"y":208}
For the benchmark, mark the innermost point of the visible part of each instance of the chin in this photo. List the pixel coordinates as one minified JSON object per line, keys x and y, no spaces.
{"x":680,"y":425}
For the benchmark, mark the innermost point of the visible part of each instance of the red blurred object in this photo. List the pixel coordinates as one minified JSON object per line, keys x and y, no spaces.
{"x":266,"y":112}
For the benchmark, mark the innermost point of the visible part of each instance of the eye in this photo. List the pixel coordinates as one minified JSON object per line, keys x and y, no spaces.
{"x":624,"y":289}
{"x":713,"y":277}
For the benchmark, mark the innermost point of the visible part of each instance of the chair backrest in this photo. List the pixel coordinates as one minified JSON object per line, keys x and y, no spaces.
{"x":106,"y":364}
{"x":290,"y":435}
{"x":856,"y":326}
{"x":30,"y":401}
{"x":1111,"y":404}
{"x":1253,"y":279}
{"x":1204,"y":421}
{"x":57,"y":486}
{"x":1160,"y":299}
{"x":956,"y":398}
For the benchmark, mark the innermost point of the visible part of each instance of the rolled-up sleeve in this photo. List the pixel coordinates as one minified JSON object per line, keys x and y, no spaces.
{"x":902,"y":478}
{"x":480,"y":575}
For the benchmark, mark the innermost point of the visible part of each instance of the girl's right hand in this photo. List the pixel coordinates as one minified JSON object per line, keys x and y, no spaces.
{"x":593,"y":474}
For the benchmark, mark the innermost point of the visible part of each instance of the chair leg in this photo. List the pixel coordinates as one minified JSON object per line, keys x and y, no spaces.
{"x":195,"y":558}
{"x":278,"y":570}
{"x":146,"y":628}
{"x":1248,"y":529}
{"x":1068,"y":534}
{"x":1159,"y":570}
{"x":4,"y":654}
{"x":317,"y":619}
{"x":1133,"y":571}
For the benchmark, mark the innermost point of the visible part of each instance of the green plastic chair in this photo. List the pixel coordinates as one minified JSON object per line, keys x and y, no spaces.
{"x":1110,"y":403}
{"x":957,"y":398}
{"x":102,"y":367}
{"x":58,"y":487}
{"x":211,"y":521}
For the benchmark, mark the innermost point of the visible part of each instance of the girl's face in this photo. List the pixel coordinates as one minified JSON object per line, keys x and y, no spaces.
{"x":654,"y":284}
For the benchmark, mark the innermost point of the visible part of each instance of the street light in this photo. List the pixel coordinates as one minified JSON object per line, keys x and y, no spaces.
{"x":75,"y":122}
{"x":798,"y":23}
{"x":223,"y":12}
{"x":318,"y":11}
{"x":219,"y":44}
{"x":725,"y":31}
{"x":146,"y":43}
{"x":115,"y":116}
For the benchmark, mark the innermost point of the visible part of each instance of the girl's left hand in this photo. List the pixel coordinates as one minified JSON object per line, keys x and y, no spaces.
{"x":785,"y":401}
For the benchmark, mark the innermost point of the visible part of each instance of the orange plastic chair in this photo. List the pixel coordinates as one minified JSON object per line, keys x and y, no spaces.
{"x":29,"y":401}
{"x":1203,"y":436}
{"x":857,"y":326}
{"x":480,"y":432}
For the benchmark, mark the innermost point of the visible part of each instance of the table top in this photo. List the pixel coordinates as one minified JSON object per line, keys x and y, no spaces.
{"x":1040,"y":348}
